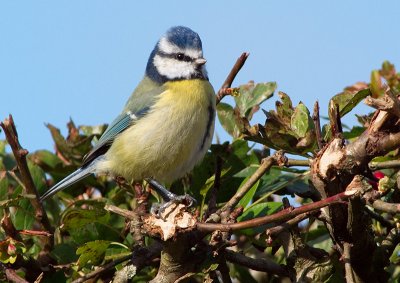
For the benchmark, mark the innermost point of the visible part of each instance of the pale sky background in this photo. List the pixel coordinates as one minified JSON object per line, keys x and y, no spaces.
{"x":82,"y":59}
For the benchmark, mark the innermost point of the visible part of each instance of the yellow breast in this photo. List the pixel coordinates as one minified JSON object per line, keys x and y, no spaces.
{"x":170,"y":139}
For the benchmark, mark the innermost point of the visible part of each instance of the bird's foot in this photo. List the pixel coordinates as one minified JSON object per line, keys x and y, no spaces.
{"x":169,"y":198}
{"x":160,"y":209}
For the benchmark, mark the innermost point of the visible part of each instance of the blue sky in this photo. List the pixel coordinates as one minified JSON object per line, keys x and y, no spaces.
{"x":82,"y":59}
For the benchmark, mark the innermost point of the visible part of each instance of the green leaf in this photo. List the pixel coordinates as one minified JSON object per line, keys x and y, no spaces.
{"x":75,"y":218}
{"x":301,"y":122}
{"x":376,"y":84}
{"x":348,"y":100}
{"x":284,"y":109}
{"x":38,"y":176}
{"x":206,"y":187}
{"x":3,"y":185}
{"x":260,"y":209}
{"x":92,"y":252}
{"x":64,"y":253}
{"x":227,"y":119}
{"x":247,"y":198}
{"x":252,"y":96}
{"x":23,"y":216}
{"x":45,"y":159}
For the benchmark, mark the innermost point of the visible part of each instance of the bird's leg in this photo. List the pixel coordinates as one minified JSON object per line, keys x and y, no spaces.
{"x":169,"y":197}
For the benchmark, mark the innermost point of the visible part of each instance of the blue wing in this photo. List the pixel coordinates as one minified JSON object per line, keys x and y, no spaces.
{"x":122,"y":122}
{"x":137,"y":106}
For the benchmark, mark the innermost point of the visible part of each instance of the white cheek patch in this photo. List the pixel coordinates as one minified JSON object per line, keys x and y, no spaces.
{"x":167,"y":47}
{"x":172,"y":68}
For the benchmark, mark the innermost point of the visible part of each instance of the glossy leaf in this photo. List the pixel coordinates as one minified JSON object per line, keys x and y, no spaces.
{"x":92,"y":252}
{"x":301,"y":122}
{"x":227,"y":119}
{"x":76,"y":218}
{"x":247,"y":198}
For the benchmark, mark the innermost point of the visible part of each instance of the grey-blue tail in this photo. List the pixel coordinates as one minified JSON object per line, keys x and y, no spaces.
{"x":71,"y":179}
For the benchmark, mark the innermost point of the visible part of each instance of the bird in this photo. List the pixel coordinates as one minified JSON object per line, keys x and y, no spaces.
{"x":167,"y":124}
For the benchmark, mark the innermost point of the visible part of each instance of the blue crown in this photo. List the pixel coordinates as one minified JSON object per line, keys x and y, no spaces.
{"x":183,"y":37}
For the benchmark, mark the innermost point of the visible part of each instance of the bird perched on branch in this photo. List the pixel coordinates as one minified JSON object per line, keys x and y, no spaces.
{"x":167,"y":124}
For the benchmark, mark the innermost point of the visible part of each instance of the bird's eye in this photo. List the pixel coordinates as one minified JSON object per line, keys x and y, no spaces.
{"x":180,"y":56}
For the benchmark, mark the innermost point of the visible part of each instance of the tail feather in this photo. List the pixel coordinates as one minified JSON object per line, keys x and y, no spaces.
{"x":71,"y":179}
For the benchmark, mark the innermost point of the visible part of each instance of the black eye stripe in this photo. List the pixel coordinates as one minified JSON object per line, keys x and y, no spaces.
{"x":177,"y":56}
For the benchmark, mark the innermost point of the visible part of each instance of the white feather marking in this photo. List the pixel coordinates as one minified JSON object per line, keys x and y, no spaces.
{"x":172,"y":68}
{"x":169,"y":48}
{"x":133,"y":116}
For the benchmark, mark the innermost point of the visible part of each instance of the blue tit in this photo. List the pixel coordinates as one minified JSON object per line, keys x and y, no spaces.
{"x":166,"y":126}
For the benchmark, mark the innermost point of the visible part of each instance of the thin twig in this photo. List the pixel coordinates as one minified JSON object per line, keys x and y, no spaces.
{"x":386,"y":223}
{"x":12,"y":276}
{"x":20,"y":157}
{"x":390,"y":242}
{"x":386,"y":207}
{"x":280,"y":216}
{"x":127,"y":214}
{"x":265,"y":165}
{"x":259,"y":264}
{"x":389,"y":103}
{"x":297,"y":162}
{"x":35,"y":233}
{"x":317,"y":124}
{"x":102,"y":269}
{"x":347,"y":263}
{"x":274,"y":231}
{"x":384,"y":165}
{"x":232,"y":74}
{"x":224,"y":269}
{"x":212,"y":203}
{"x":8,"y":225}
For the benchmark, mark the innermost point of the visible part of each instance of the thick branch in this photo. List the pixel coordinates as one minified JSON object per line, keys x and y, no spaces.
{"x":280,"y":216}
{"x":389,"y":103}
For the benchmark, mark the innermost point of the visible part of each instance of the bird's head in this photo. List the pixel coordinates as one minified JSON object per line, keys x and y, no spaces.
{"x":178,"y":55}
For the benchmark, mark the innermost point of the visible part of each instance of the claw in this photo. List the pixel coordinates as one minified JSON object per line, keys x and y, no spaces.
{"x":159,"y":209}
{"x":170,"y":199}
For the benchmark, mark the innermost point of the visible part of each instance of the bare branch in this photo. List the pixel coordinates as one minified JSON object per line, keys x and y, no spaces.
{"x":395,"y":164}
{"x":260,"y":264}
{"x":386,"y":207}
{"x":274,"y":231}
{"x":350,"y":276}
{"x":389,"y":103}
{"x":280,"y":216}
{"x":20,"y":157}
{"x":317,"y":124}
{"x":232,"y":75}
{"x":212,"y":203}
{"x":265,"y":165}
{"x":12,"y":276}
{"x":127,"y":214}
{"x":102,"y":269}
{"x":297,"y":162}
